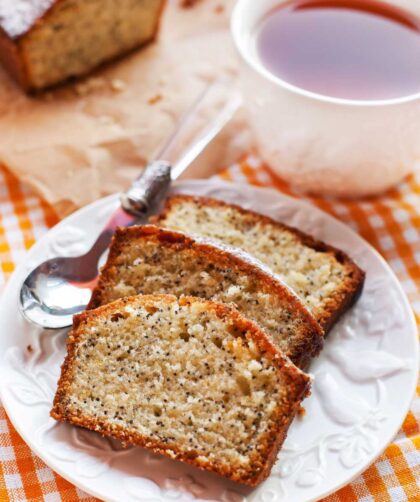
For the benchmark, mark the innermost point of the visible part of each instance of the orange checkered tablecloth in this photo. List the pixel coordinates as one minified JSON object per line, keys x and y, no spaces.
{"x":391,"y":223}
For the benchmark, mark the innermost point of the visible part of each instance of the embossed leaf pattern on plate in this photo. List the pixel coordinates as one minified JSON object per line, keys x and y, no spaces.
{"x":348,"y":417}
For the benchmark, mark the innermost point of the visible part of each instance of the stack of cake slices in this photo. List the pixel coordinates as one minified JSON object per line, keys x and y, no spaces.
{"x":196,"y":338}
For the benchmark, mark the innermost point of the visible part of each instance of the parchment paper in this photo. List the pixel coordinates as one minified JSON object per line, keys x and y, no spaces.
{"x":89,"y":139}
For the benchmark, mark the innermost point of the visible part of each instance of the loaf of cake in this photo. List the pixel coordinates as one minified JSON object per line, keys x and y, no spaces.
{"x":45,"y":42}
{"x":151,"y":260}
{"x":189,"y":379}
{"x":325,"y":278}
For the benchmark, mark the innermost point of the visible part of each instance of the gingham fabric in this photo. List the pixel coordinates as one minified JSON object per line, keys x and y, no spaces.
{"x":391,"y":223}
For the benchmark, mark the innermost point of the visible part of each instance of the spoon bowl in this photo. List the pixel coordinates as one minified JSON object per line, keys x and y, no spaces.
{"x":49,"y":298}
{"x":61,"y":287}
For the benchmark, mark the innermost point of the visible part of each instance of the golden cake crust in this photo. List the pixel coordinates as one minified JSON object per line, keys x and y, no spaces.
{"x":298,"y":388}
{"x":338,"y":302}
{"x":306,"y":346}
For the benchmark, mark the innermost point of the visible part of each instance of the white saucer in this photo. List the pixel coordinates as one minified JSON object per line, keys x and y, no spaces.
{"x":364,"y":379}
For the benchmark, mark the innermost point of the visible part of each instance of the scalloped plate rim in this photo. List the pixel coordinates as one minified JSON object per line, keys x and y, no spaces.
{"x":185,"y":185}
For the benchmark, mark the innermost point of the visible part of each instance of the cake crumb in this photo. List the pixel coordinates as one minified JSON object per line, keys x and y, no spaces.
{"x":301,"y":411}
{"x":155,"y":99}
{"x":86,"y":87}
{"x":118,"y":85}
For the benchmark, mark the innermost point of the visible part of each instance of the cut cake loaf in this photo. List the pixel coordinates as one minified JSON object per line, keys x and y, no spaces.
{"x":325,"y":278}
{"x":44,"y":42}
{"x":150,"y":260}
{"x":188,"y":378}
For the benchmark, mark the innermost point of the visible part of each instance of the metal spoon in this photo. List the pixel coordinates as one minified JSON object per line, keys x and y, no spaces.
{"x":61,"y":287}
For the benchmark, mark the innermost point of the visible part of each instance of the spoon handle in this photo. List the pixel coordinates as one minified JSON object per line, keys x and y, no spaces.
{"x":203,"y":121}
{"x":150,"y":187}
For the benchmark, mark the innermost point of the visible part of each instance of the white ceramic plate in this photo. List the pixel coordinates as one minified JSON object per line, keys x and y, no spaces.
{"x":364,"y":379}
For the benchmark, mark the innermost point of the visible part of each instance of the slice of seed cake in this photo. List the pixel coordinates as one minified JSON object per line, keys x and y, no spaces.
{"x":151,"y":260}
{"x":188,"y":378}
{"x":45,"y":42}
{"x":325,"y":278}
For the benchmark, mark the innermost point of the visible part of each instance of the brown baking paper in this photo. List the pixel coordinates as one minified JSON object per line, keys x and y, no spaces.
{"x":88,"y":139}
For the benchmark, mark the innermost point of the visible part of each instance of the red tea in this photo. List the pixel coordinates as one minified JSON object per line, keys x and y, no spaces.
{"x":354,"y":49}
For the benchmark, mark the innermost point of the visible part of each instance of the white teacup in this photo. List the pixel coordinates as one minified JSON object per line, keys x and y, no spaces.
{"x":320,"y":144}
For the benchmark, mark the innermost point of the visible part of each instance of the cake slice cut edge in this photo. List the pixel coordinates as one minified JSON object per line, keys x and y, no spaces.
{"x":152,"y":260}
{"x":187,"y":378}
{"x":326,"y":279}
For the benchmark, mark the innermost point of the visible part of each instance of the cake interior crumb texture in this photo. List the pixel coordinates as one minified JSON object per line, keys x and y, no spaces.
{"x":188,"y":378}
{"x":73,"y":36}
{"x":324,"y":278}
{"x":150,"y":260}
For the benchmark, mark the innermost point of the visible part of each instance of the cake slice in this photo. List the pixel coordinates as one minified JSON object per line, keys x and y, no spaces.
{"x":325,"y":278}
{"x":188,"y":378}
{"x":44,"y":42}
{"x":151,"y":260}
